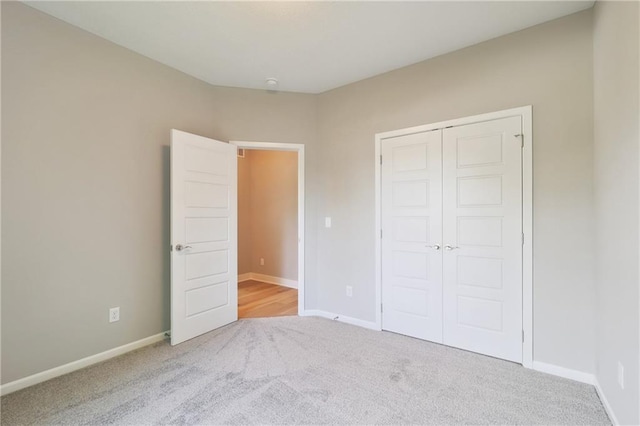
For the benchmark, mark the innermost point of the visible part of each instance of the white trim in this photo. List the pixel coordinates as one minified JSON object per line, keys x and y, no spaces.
{"x":378,"y":218}
{"x":513,"y":112}
{"x":525,"y":113}
{"x":244,"y":277}
{"x":269,"y":279}
{"x":269,"y":146}
{"x":79,"y":364}
{"x":605,"y":403}
{"x":527,"y":229}
{"x":299,"y":148}
{"x":371,"y":325}
{"x":567,"y":373}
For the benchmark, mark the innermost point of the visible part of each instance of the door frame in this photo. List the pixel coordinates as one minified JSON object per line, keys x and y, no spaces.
{"x":526,"y":115}
{"x":299,"y":148}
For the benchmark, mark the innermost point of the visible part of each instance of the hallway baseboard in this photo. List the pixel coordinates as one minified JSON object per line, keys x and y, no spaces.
{"x":269,"y":279}
{"x":244,"y":277}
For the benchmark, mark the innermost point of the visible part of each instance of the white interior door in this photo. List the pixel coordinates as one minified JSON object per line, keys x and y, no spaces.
{"x":204,"y":288}
{"x":412,"y":230}
{"x":482,"y":235}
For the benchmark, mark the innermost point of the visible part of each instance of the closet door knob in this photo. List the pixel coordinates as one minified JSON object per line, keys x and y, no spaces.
{"x":449,"y":248}
{"x":180,"y":247}
{"x":435,"y":247}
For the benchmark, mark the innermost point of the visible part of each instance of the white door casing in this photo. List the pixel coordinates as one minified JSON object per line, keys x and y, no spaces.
{"x":411,"y":249}
{"x":482,"y":237}
{"x":204,"y":223}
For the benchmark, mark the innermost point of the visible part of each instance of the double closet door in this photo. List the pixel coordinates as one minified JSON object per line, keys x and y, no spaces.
{"x":452,"y":236}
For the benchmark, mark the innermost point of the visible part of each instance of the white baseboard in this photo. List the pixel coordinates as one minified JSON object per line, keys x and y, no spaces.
{"x":567,"y":373}
{"x":244,"y":277}
{"x":77,"y":365}
{"x":285,"y":282}
{"x":371,"y":325}
{"x":605,"y":403}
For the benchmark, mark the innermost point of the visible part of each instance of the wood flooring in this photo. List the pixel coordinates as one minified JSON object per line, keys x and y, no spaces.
{"x":257,"y":299}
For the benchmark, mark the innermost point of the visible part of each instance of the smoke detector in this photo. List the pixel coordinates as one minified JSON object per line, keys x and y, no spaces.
{"x":272,"y":84}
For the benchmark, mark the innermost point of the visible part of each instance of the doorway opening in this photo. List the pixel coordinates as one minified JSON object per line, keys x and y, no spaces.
{"x":270,"y":229}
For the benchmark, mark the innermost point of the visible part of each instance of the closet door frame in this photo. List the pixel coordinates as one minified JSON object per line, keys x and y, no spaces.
{"x":525,"y":113}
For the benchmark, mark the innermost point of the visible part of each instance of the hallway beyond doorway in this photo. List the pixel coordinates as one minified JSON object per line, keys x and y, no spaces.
{"x":257,"y":299}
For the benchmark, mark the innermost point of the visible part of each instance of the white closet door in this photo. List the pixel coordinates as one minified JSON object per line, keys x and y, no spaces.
{"x":412,"y":229}
{"x":482,"y":210}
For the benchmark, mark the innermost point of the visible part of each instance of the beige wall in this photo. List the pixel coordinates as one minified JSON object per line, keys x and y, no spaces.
{"x":548,"y":66}
{"x":269,"y":209}
{"x":616,"y":136}
{"x":85,"y":181}
{"x":85,"y":187}
{"x":244,"y":215}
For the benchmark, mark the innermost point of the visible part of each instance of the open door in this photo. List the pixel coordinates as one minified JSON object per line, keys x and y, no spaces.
{"x":204,"y":255}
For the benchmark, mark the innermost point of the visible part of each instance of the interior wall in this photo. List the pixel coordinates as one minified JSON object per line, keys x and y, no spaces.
{"x":548,"y":66}
{"x":616,"y":168}
{"x":86,"y":201}
{"x":244,"y":215}
{"x":268,"y":212}
{"x":85,"y":184}
{"x":274,"y":203}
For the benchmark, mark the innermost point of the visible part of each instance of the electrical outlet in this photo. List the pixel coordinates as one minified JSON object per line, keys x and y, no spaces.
{"x":114,"y":314}
{"x":262,"y":261}
{"x":621,"y":375}
{"x":349,"y":291}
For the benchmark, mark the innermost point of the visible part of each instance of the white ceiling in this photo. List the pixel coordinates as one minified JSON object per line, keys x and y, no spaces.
{"x":308,"y":46}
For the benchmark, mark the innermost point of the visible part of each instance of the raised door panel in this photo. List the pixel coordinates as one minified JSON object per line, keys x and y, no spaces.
{"x":482,"y":211}
{"x":412,"y":225}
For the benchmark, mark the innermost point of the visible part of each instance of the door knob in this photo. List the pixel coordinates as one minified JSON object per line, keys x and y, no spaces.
{"x":180,"y":247}
{"x":449,"y":248}
{"x":435,"y":247}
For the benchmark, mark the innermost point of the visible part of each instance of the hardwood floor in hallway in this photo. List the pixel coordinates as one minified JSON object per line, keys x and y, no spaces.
{"x":257,"y":299}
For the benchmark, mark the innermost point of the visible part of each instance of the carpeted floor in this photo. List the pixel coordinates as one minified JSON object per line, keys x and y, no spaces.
{"x":300,"y":370}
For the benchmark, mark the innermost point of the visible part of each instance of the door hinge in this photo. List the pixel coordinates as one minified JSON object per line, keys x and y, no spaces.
{"x":381,"y":308}
{"x":381,"y":234}
{"x":381,"y":160}
{"x":521,"y":136}
{"x":523,"y":238}
{"x":522,"y":336}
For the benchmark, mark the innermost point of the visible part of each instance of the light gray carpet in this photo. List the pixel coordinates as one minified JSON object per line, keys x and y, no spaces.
{"x":306,"y":371}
